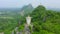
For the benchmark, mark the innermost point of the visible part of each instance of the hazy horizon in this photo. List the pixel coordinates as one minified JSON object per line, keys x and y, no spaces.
{"x":35,"y":3}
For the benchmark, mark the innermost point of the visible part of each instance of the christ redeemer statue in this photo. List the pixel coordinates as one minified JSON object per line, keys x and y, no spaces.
{"x":28,"y":19}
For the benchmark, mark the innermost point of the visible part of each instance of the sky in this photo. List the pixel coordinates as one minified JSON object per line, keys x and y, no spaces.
{"x":35,"y":3}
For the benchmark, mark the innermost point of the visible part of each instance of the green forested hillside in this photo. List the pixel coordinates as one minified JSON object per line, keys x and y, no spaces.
{"x":45,"y":21}
{"x":11,"y":18}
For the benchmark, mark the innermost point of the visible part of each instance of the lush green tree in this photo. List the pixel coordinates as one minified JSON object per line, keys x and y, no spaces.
{"x":45,"y":21}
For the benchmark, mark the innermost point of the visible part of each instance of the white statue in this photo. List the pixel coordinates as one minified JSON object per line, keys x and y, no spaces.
{"x":28,"y":19}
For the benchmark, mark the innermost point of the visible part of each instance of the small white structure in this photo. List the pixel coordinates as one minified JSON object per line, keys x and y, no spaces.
{"x":28,"y":20}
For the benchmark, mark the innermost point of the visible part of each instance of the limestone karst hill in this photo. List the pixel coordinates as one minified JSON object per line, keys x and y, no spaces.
{"x":45,"y":21}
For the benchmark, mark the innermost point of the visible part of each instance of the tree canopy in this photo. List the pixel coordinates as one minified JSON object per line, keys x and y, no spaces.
{"x":45,"y":21}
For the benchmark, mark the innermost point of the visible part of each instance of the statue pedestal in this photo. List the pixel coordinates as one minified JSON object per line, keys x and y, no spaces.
{"x":27,"y":30}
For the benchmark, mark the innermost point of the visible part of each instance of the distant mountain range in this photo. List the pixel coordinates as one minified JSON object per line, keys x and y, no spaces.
{"x":13,"y":11}
{"x":55,"y":9}
{"x":27,"y":9}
